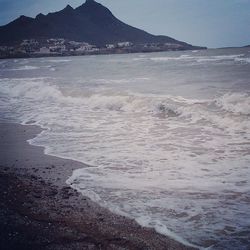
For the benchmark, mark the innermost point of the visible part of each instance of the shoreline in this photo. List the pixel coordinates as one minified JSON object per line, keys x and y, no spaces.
{"x":40,"y":211}
{"x":100,"y":53}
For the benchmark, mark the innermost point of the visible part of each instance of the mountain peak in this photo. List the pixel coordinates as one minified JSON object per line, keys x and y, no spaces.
{"x":91,"y":3}
{"x":23,"y":19}
{"x":68,"y":8}
{"x":90,"y":6}
{"x":40,"y":15}
{"x":91,"y":22}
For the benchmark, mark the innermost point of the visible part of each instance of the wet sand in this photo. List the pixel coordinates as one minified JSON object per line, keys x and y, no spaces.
{"x":39,"y":211}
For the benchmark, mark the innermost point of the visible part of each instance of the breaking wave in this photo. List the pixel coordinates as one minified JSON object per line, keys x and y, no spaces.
{"x":222,"y":111}
{"x":58,"y":60}
{"x":201,"y":59}
{"x":243,"y":59}
{"x":26,"y":67}
{"x":238,"y":103}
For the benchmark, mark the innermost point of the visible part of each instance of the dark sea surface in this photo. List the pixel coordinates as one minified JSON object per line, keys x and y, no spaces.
{"x":166,"y":135}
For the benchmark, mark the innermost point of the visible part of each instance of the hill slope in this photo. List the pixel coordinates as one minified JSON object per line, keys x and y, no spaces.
{"x":90,"y":22}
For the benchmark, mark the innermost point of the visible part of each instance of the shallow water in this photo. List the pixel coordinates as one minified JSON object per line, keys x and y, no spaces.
{"x":166,"y":134}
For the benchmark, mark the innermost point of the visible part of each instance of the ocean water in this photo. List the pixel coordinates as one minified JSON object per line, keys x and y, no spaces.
{"x":166,"y":135}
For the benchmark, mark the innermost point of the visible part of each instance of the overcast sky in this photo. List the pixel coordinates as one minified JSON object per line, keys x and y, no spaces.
{"x":212,"y":23}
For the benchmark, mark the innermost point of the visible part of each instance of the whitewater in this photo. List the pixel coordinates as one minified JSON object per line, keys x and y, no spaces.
{"x":166,"y":136}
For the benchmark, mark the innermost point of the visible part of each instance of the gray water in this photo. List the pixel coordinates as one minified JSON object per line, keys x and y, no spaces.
{"x":166,"y":135}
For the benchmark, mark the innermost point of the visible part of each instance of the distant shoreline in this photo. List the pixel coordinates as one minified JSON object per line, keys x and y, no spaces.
{"x":103,"y":52}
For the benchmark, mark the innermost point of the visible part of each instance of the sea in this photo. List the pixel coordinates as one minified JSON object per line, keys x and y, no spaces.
{"x":166,"y":136}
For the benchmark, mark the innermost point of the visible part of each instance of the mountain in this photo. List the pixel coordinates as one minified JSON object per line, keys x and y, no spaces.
{"x":91,"y":22}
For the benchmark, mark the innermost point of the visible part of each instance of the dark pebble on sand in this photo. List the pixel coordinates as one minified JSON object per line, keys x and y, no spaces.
{"x":65,"y":197}
{"x":38,"y":196}
{"x":52,"y":192}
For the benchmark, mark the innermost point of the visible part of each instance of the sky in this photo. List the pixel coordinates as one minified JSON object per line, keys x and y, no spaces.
{"x":211,"y":23}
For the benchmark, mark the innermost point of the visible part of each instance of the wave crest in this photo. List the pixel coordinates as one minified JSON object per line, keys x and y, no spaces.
{"x":238,"y":103}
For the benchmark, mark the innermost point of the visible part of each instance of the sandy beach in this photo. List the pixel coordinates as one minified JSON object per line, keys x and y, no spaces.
{"x":39,"y":211}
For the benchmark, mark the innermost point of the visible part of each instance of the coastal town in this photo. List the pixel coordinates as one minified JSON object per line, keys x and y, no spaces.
{"x":64,"y":47}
